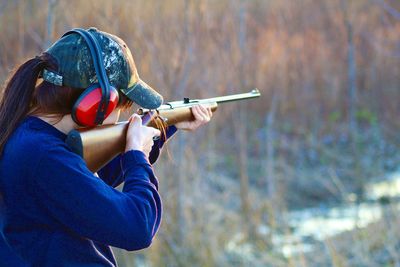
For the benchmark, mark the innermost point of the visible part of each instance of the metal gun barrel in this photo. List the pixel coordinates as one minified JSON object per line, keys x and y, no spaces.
{"x":190,"y":102}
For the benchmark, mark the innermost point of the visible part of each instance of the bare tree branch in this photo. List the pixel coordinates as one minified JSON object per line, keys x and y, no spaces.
{"x":49,"y":33}
{"x":3,"y":6}
{"x":391,"y":10}
{"x":36,"y":38}
{"x":380,"y":47}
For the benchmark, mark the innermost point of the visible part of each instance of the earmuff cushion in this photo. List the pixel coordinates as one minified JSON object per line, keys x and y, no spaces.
{"x":85,"y":109}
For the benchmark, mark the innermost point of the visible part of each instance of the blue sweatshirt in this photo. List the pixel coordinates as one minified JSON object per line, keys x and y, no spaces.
{"x":56,"y":212}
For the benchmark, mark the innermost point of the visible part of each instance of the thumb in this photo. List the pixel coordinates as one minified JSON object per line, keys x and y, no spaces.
{"x":156,"y":132}
{"x":135,"y":119}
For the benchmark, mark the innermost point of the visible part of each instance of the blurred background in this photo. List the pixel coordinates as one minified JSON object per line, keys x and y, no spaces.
{"x":306,"y":175}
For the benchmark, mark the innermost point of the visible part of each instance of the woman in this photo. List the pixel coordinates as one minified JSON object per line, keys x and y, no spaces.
{"x":55,"y":211}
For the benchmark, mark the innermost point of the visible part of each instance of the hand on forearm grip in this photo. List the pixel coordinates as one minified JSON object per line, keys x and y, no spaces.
{"x":202,"y":116}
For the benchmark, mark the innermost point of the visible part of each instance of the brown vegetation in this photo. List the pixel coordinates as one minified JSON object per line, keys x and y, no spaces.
{"x":327,"y":121}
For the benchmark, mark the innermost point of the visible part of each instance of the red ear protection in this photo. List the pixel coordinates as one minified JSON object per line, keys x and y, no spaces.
{"x":99,"y":99}
{"x":84,"y":111}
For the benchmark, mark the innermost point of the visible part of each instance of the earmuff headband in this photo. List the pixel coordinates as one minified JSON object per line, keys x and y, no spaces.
{"x":97,"y":57}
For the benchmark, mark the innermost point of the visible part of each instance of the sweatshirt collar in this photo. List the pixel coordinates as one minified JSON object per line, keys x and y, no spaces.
{"x":39,"y":124}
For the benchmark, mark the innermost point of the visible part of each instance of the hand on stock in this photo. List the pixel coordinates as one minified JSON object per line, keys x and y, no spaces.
{"x":140,"y":137}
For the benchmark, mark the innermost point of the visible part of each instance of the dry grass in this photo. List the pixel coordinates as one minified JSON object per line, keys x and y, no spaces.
{"x":296,"y":50}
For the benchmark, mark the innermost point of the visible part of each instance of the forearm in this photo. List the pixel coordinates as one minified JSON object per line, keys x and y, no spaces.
{"x":111,"y":173}
{"x":75,"y":197}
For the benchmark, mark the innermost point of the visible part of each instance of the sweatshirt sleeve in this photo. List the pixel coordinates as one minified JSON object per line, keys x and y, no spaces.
{"x":159,"y":143}
{"x":111,"y":173}
{"x":82,"y":202}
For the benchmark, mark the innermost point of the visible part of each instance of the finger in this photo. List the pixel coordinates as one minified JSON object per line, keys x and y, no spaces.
{"x":147,"y":151}
{"x":134,"y":123}
{"x":209,"y":111}
{"x":136,"y":119}
{"x":152,"y":132}
{"x":156,"y":132}
{"x":149,"y":144}
{"x":202,"y":109}
{"x":204,"y":113}
{"x":196,"y":113}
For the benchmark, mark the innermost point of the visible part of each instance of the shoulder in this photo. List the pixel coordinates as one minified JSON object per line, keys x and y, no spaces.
{"x":34,"y":150}
{"x":54,"y":159}
{"x":33,"y":140}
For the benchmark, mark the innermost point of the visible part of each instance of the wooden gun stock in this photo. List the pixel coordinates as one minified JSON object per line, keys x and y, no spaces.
{"x":99,"y":145}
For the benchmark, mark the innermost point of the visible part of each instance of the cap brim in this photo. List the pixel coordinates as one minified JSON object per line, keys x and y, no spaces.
{"x":143,"y":95}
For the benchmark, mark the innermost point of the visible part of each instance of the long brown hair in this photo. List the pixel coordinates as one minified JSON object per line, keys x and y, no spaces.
{"x":25,"y":94}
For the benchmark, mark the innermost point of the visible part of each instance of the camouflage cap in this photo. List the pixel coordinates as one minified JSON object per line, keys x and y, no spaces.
{"x":76,"y":70}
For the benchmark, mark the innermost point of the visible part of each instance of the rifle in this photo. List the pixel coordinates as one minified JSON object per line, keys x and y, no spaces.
{"x":99,"y":145}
